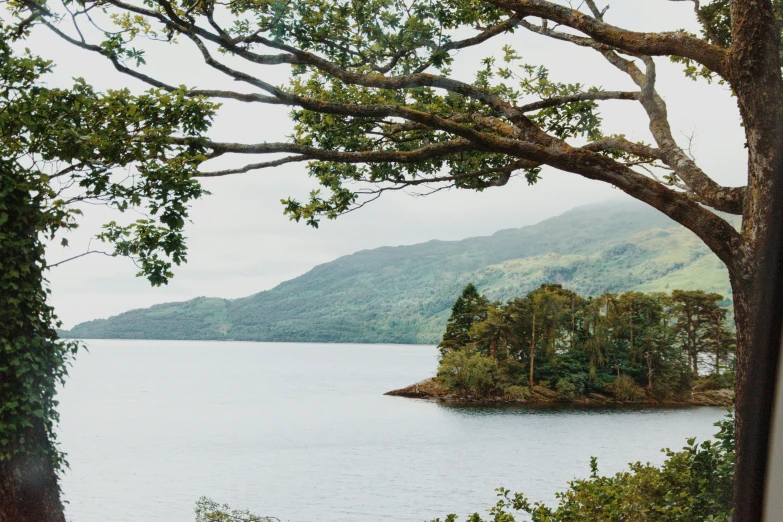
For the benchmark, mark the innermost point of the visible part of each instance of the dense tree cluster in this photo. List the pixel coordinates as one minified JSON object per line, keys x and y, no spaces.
{"x":631,"y":344}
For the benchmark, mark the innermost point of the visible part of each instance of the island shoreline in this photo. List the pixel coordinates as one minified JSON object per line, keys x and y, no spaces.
{"x":434,"y":391}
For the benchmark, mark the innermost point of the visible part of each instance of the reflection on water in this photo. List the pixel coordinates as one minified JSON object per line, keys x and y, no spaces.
{"x":303,"y":432}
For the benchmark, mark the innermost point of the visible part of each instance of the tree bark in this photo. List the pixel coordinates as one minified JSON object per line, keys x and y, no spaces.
{"x":533,"y":350}
{"x":744,"y":316}
{"x":718,"y":341}
{"x":693,"y":349}
{"x":754,"y":72}
{"x":29,"y":491}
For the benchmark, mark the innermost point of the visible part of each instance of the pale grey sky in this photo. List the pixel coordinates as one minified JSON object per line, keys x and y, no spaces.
{"x":240,"y":242}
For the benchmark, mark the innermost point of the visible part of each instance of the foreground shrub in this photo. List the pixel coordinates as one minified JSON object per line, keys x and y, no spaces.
{"x":694,"y":484}
{"x":207,"y":510}
{"x":470,"y":374}
{"x":625,"y":389}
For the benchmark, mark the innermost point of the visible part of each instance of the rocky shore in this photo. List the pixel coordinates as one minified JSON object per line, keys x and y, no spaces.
{"x":432,"y":389}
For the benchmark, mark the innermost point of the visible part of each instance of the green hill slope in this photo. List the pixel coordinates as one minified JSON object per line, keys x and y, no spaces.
{"x":403,"y":294}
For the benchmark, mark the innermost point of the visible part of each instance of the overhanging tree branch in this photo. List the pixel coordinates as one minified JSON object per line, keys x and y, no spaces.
{"x":652,"y":44}
{"x":476,"y":133}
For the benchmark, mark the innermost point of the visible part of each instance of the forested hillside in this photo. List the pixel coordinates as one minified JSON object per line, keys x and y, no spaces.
{"x":404,"y":294}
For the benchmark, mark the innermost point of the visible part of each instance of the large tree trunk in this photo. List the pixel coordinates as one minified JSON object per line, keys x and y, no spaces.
{"x":28,"y":485}
{"x":746,"y":355}
{"x":29,"y":491}
{"x":718,"y":342}
{"x":695,"y":361}
{"x":743,"y":315}
{"x":754,"y":72}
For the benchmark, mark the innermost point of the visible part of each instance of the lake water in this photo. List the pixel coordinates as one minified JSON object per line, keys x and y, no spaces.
{"x":302,"y":432}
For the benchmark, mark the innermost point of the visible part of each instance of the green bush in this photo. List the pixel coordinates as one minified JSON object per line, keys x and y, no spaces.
{"x":673,"y":382}
{"x":694,"y":484}
{"x":582,"y":383}
{"x":471,"y":374}
{"x":625,"y":389}
{"x":516,"y":372}
{"x":715,"y":382}
{"x":517,"y":392}
{"x":207,"y":510}
{"x":565,"y":389}
{"x":563,"y":366}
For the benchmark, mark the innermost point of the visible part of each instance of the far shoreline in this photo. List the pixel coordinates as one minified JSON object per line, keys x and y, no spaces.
{"x":86,"y":339}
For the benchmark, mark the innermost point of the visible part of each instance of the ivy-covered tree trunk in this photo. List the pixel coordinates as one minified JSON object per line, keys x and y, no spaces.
{"x":31,"y":362}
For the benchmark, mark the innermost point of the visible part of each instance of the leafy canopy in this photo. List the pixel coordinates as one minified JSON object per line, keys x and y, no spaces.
{"x":60,"y":149}
{"x":80,"y":147}
{"x":371,"y":96}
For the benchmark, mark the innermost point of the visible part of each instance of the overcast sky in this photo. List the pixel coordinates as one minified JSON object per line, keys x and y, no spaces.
{"x":240,"y":242}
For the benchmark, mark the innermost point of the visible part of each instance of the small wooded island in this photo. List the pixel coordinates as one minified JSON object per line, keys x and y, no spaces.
{"x":556,"y":346}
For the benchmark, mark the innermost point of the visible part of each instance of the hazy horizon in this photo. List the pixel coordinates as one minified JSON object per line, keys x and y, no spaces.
{"x":607,"y":202}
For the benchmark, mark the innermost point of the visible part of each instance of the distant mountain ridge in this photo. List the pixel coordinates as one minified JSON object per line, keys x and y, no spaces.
{"x":403,"y":294}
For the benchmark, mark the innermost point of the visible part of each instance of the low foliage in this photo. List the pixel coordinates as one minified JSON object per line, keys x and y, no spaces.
{"x":517,"y":392}
{"x":565,"y":389}
{"x":625,"y":389}
{"x":692,"y":484}
{"x":207,"y":510}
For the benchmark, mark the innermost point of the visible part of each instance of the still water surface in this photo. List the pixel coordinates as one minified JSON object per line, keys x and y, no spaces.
{"x":303,"y":432}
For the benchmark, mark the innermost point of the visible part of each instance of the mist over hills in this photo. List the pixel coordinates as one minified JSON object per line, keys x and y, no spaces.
{"x":404,"y":294}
